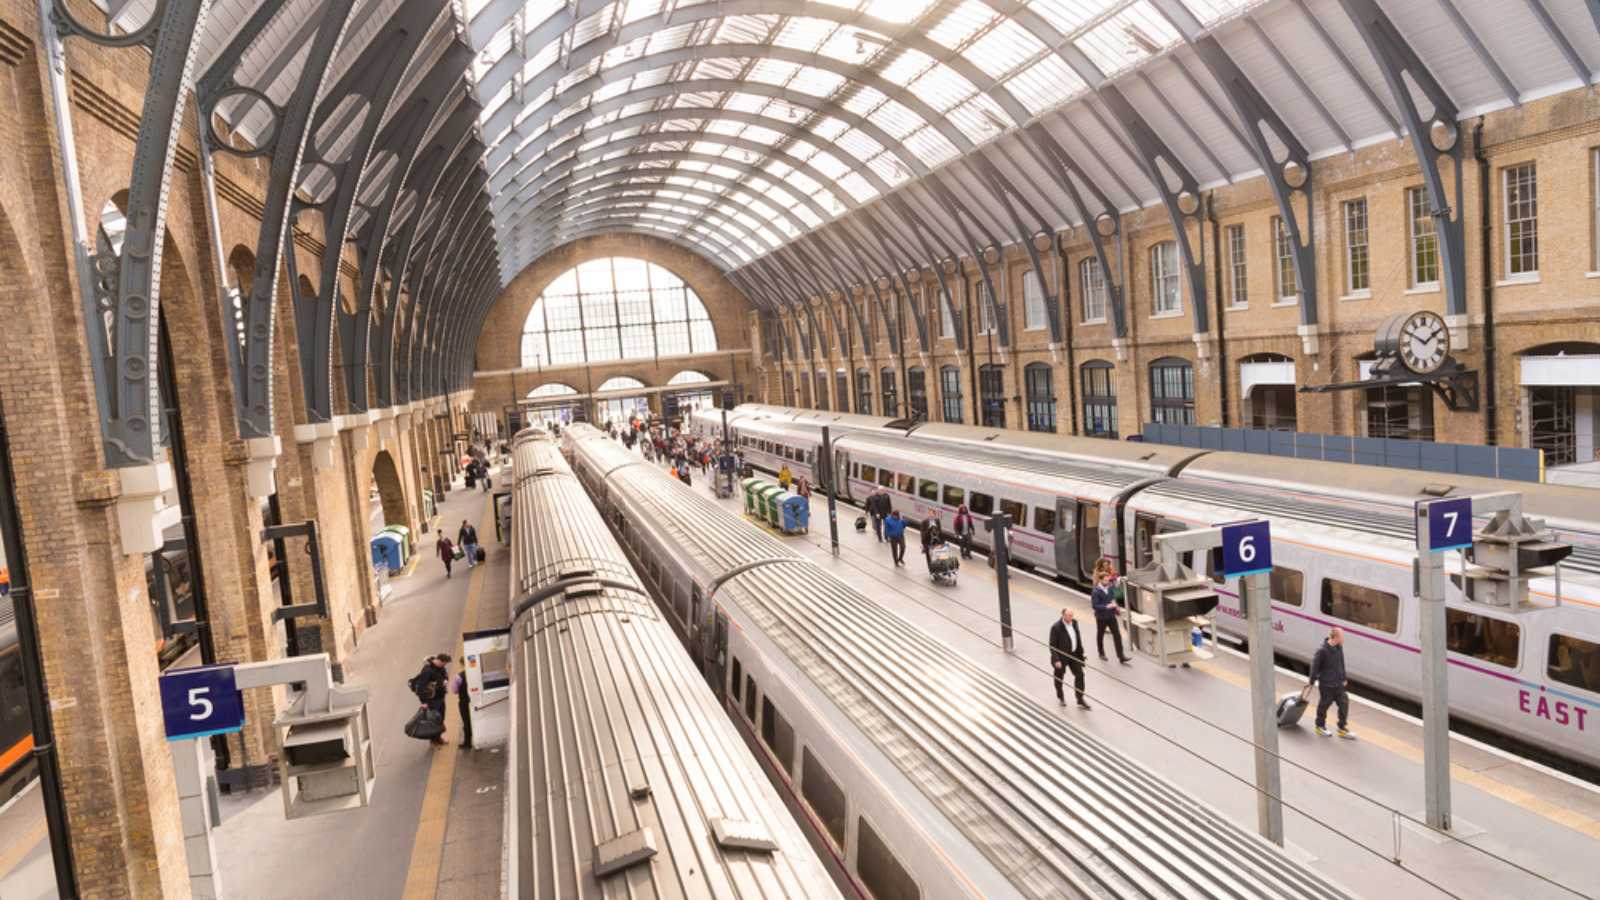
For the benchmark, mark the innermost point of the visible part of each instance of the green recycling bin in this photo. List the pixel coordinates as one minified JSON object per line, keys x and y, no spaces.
{"x":404,"y":534}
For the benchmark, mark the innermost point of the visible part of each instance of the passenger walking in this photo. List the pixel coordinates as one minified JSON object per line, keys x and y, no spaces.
{"x":964,"y":530}
{"x":459,"y":687}
{"x":878,"y":510}
{"x":785,"y":476}
{"x":1328,"y":674}
{"x":1066,"y":652}
{"x":447,"y":553}
{"x":430,"y":686}
{"x":1104,"y":600}
{"x":932,"y":536}
{"x":894,"y":528}
{"x":467,"y":537}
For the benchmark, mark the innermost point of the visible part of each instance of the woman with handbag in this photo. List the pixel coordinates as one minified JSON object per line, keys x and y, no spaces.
{"x":447,"y":552}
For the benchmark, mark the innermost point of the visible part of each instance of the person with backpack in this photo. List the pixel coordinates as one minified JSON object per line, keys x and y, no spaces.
{"x":964,"y":530}
{"x":446,"y":551}
{"x":894,"y":528}
{"x":430,"y":686}
{"x":1333,"y":683}
{"x":459,"y":687}
{"x":467,"y":537}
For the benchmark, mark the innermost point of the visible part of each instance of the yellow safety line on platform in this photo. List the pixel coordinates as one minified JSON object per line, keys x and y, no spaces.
{"x":427,"y":850}
{"x":13,"y":855}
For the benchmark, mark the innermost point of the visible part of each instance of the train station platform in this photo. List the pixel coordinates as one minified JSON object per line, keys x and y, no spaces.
{"x":434,"y":827}
{"x":1351,"y":809}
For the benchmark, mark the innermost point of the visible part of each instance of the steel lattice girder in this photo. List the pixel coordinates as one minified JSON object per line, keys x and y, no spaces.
{"x":1431,"y":141}
{"x":467,"y":203}
{"x":1100,"y":225}
{"x":736,"y":229}
{"x":1010,"y":198}
{"x":473,"y":254}
{"x":624,"y":182}
{"x":125,"y":360}
{"x":885,"y":237}
{"x":469,"y":223}
{"x":920,"y":230}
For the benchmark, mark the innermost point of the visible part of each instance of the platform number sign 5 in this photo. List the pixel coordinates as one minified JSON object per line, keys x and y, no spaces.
{"x":1449,"y":524}
{"x":1246,"y":548}
{"x":200,"y":702}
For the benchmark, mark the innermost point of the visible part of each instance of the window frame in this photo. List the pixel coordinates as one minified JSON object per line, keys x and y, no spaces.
{"x":1238,"y":268}
{"x":1550,"y":661}
{"x":1034,"y":300}
{"x":1352,"y":247}
{"x":991,"y":402}
{"x":888,"y":389}
{"x":1419,"y":238}
{"x":1041,"y":411}
{"x":1184,"y":405}
{"x":1092,"y":285}
{"x":928,"y":489}
{"x":1531,"y":202}
{"x":917,"y":393}
{"x":1455,"y":615}
{"x":1283,"y":272}
{"x":1326,"y":603}
{"x":947,"y":395}
{"x":1165,"y":272}
{"x":1106,"y":403}
{"x":815,"y":778}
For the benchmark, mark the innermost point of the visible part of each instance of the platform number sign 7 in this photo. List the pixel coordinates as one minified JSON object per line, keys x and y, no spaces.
{"x":1246,"y":548}
{"x":1449,"y":524}
{"x":200,"y":702}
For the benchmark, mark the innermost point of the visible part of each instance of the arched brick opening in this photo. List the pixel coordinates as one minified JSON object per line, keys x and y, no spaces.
{"x":391,"y":494}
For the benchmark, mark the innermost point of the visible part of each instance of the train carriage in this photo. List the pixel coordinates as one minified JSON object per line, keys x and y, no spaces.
{"x":902,"y":785}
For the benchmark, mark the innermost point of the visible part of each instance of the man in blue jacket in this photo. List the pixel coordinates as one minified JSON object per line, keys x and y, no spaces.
{"x":1103,"y":599}
{"x":894,"y":528}
{"x":1328,"y":674}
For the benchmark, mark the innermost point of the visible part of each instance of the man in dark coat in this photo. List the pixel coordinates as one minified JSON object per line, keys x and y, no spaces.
{"x":1066,"y":652}
{"x":1328,"y":674}
{"x":432,"y":684}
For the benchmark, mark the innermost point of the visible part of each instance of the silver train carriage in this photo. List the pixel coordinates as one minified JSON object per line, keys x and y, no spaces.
{"x":1345,"y":546}
{"x":919,"y":773}
{"x":626,"y":778}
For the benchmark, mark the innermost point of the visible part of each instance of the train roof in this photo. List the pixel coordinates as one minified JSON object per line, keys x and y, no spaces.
{"x":1157,"y":459}
{"x":619,"y":747}
{"x":1057,"y":810}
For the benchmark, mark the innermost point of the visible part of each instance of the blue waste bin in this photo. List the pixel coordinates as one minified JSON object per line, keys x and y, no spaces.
{"x":795,"y":513}
{"x":386,"y":551}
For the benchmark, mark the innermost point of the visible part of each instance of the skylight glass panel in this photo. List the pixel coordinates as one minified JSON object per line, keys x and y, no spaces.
{"x":772,"y":71}
{"x":614,"y":89}
{"x":930,"y":146}
{"x":942,"y":88}
{"x":980,"y":118}
{"x":1004,"y":49}
{"x":591,"y":27}
{"x":889,"y":169}
{"x":573,"y":78}
{"x":960,"y":25}
{"x":811,"y":219}
{"x":498,"y":47}
{"x":829,"y":165}
{"x":864,"y":100}
{"x":1068,"y":16}
{"x":1047,"y":83}
{"x":858,"y":187}
{"x":899,"y":11}
{"x":803,"y":183}
{"x":1209,"y":12}
{"x":669,"y":38}
{"x":634,"y":10}
{"x":749,"y":103}
{"x":801,"y":33}
{"x":843,"y":45}
{"x":494,"y":104}
{"x":744,"y":29}
{"x":1127,"y":39}
{"x":817,"y":82}
{"x":724,"y":171}
{"x":861,"y":146}
{"x":698,"y":99}
{"x":828,"y":128}
{"x":897,"y":120}
{"x":906,"y":66}
{"x":759,"y":134}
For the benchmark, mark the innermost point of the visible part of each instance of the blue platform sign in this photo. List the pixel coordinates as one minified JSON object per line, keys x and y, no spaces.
{"x":1246,"y":548}
{"x":200,"y":702}
{"x":1449,"y":524}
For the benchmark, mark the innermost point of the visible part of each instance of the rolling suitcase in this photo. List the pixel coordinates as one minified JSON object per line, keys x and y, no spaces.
{"x":482,"y":555}
{"x":1292,"y":707}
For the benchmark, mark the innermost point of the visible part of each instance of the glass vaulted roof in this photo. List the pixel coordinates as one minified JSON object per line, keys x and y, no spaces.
{"x":737,"y":126}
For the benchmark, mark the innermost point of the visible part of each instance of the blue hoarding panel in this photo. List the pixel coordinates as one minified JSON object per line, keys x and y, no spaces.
{"x":1337,"y":448}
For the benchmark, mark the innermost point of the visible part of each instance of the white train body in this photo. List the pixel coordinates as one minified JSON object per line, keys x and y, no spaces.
{"x":1533,"y":675}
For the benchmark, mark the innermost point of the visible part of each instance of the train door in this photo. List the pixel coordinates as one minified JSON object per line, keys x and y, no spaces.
{"x":1144,"y":539}
{"x":1088,"y":539}
{"x":841,"y":473}
{"x":717,"y":669}
{"x":1066,"y":535}
{"x":696,"y":602}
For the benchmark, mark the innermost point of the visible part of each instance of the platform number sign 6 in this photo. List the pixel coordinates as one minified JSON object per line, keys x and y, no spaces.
{"x":200,"y":702}
{"x":1449,"y":524}
{"x":1246,"y":548}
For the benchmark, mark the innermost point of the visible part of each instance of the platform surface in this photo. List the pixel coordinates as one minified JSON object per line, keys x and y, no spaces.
{"x":435,"y":824}
{"x":1193,"y":726}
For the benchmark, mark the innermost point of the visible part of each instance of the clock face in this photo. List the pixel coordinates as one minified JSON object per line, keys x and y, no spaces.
{"x":1424,"y":342}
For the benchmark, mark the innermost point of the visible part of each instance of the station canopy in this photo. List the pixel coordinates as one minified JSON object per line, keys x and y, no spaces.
{"x":738,"y":127}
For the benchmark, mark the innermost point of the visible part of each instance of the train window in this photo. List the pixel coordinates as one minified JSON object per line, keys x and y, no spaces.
{"x":885,"y":478}
{"x":855,"y":470}
{"x":824,"y":796}
{"x":908,"y":484}
{"x":1287,"y":585}
{"x":683,"y":605}
{"x":15,"y":725}
{"x":749,"y":698}
{"x":1574,"y":661}
{"x":982,"y":504}
{"x":738,"y":677}
{"x":777,"y":734}
{"x":869,"y":474}
{"x":954,"y":496}
{"x":1491,"y":640}
{"x":879,"y":870}
{"x":1361,"y":605}
{"x":928,"y":490}
{"x":1044,"y":520}
{"x":1017,"y":511}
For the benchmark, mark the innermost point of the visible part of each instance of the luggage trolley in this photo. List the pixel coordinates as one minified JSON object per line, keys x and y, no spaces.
{"x":943,"y":563}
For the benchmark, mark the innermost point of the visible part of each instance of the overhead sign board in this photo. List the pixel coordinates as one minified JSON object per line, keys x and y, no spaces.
{"x":200,"y":702}
{"x":1246,"y":548}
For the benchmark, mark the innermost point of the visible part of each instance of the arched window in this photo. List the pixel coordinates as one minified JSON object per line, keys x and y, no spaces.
{"x":615,"y":308}
{"x":689,"y":376}
{"x":950,"y":393}
{"x":620,"y":383}
{"x":992,"y":396}
{"x":1172,"y":391}
{"x":891,"y":398}
{"x":917,"y":393}
{"x":864,"y":392}
{"x":1041,"y":397}
{"x":1267,"y":392}
{"x":841,"y":390}
{"x":822,"y":390}
{"x":553,"y":389}
{"x":1099,"y":399}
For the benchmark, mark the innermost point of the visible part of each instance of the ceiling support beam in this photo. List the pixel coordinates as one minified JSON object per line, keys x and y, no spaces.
{"x":1102,"y":224}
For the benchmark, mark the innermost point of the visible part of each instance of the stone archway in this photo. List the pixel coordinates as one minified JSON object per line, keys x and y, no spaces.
{"x":391,"y":492}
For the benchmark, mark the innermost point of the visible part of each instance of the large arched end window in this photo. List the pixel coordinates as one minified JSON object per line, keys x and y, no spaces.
{"x":1041,"y":397}
{"x":1099,"y":399}
{"x":615,"y":308}
{"x":689,"y":376}
{"x":553,"y":389}
{"x":1172,"y":391}
{"x":620,"y":383}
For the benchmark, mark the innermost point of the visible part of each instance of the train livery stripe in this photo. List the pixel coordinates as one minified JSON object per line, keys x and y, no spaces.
{"x":16,"y":753}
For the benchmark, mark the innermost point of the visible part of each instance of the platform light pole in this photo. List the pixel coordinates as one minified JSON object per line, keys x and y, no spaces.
{"x":1000,"y":526}
{"x":827,"y":480}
